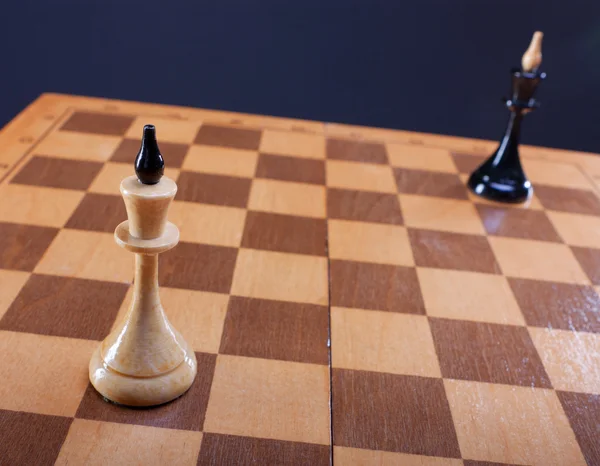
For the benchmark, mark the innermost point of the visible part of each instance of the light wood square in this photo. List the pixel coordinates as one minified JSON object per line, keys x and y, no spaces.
{"x":537,"y":260}
{"x":421,"y":158}
{"x":510,"y":424}
{"x":78,"y":146}
{"x":208,"y":224}
{"x":167,"y":129}
{"x":269,"y":399}
{"x":43,"y":374}
{"x":87,"y":254}
{"x":34,"y":205}
{"x":221,"y":160}
{"x":293,"y":144}
{"x":360,"y":176}
{"x":560,"y":174}
{"x":571,"y":359}
{"x":283,"y":197}
{"x":382,"y":342}
{"x":11,"y":282}
{"x":472,"y":296}
{"x":369,"y":242}
{"x":280,"y":276}
{"x":109,"y":179}
{"x":440,"y":214}
{"x":198,"y":315}
{"x":359,"y":457}
{"x":102,"y":443}
{"x":577,"y":230}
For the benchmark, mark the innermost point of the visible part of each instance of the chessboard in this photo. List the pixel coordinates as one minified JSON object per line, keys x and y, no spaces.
{"x":348,"y":300}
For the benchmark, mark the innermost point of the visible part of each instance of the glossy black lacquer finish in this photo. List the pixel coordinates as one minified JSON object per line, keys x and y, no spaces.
{"x":501,"y":177}
{"x":149,"y":163}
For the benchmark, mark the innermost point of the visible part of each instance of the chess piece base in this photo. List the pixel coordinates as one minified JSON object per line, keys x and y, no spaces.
{"x":142,"y":391}
{"x":500,"y":189}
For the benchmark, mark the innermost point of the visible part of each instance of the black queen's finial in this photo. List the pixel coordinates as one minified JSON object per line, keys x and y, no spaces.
{"x":149,"y":163}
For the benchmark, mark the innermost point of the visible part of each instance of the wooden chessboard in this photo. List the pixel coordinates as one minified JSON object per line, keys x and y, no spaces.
{"x":461,"y":331}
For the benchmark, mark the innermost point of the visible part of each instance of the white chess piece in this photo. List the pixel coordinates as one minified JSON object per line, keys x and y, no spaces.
{"x":144,"y":361}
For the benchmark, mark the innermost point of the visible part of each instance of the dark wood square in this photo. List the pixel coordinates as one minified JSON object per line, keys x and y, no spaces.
{"x":428,"y":183}
{"x":486,"y":463}
{"x":375,"y":286}
{"x":288,"y":331}
{"x":452,"y":251}
{"x":239,"y":138}
{"x":173,"y":153}
{"x":65,"y":307}
{"x":58,"y":173}
{"x":213,"y":189}
{"x":589,"y":259}
{"x":186,"y":412}
{"x":467,"y":163}
{"x":98,"y":212}
{"x":355,"y":151}
{"x":486,"y":352}
{"x":285,"y":168}
{"x":363,"y":206}
{"x":379,"y":411}
{"x":22,"y":246}
{"x":126,"y":151}
{"x":517,"y":223}
{"x":31,"y":439}
{"x":558,"y":305}
{"x":220,"y":449}
{"x":583,"y":411}
{"x":197,"y":267}
{"x":285,"y":233}
{"x":577,"y":201}
{"x":98,"y":123}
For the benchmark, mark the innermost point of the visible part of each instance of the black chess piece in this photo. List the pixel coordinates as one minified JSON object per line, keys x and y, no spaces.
{"x":501,"y":177}
{"x":149,"y":163}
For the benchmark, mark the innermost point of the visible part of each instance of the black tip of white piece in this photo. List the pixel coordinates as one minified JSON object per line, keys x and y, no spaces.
{"x":149,"y":163}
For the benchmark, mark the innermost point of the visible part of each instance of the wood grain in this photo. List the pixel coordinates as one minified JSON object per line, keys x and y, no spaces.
{"x":243,"y":451}
{"x":20,"y":430}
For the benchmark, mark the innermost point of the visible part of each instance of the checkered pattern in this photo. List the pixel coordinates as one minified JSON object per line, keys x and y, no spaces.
{"x":462,"y":332}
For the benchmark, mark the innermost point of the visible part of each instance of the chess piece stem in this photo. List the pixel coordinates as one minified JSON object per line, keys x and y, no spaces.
{"x":501,"y":178}
{"x":145,"y":344}
{"x":508,"y":152}
{"x":145,"y":286}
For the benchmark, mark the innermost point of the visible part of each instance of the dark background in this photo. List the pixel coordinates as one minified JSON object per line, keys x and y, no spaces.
{"x":437,"y":66}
